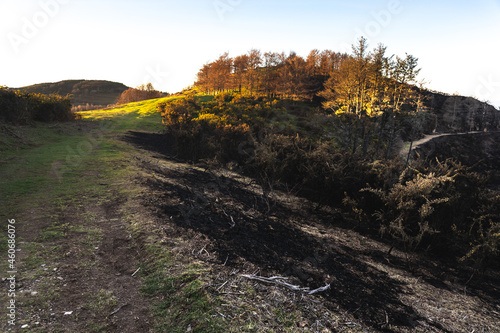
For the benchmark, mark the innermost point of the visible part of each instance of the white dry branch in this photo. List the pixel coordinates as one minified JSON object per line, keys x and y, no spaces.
{"x":138,"y":269}
{"x":278,"y":280}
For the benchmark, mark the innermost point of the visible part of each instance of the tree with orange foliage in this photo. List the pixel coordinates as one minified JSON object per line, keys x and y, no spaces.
{"x":141,"y":93}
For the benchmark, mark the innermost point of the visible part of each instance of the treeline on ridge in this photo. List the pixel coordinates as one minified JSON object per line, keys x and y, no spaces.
{"x":372,"y":99}
{"x":272,"y":74}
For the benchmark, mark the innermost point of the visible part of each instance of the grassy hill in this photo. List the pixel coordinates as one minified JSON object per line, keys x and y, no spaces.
{"x":118,"y":234}
{"x":95,"y":92}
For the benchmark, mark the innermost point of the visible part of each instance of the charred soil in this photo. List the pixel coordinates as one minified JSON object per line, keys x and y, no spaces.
{"x":233,"y":225}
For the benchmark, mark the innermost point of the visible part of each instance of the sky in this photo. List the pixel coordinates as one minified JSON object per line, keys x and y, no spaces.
{"x":166,"y":42}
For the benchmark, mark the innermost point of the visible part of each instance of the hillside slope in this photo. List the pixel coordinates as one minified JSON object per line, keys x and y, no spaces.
{"x":453,"y":113}
{"x":118,"y":235}
{"x":95,"y":92}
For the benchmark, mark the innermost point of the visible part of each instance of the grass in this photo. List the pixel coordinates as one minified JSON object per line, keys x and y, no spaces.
{"x":50,"y":174}
{"x":54,"y":232}
{"x":102,"y":300}
{"x":182,"y":303}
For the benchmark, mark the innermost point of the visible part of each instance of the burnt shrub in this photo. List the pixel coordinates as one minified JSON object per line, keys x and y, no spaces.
{"x":442,"y":206}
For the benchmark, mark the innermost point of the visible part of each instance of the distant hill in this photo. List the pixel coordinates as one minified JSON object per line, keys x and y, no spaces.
{"x":95,"y":92}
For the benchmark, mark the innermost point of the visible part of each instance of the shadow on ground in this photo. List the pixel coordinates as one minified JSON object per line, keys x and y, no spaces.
{"x":283,"y":237}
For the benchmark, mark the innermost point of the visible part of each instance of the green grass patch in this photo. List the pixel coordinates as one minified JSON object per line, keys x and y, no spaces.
{"x":181,"y":300}
{"x":103,"y":300}
{"x":54,"y":232}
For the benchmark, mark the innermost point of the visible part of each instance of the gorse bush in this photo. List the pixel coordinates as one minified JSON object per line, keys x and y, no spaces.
{"x":441,"y":206}
{"x":410,"y":207}
{"x":202,"y":135}
{"x":21,"y":108}
{"x":483,"y":233}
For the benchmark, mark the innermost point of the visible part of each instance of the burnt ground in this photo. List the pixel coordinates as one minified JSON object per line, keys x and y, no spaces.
{"x":235,"y":225}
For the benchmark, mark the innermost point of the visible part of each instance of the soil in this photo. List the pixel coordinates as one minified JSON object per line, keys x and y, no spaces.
{"x":79,"y":274}
{"x":231,"y":225}
{"x":239,"y":224}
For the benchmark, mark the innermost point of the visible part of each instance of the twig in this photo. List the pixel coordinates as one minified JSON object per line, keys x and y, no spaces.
{"x":319,"y":289}
{"x":222,"y":285}
{"x":119,"y":308}
{"x":203,"y":249}
{"x":137,"y":270}
{"x":232,"y":224}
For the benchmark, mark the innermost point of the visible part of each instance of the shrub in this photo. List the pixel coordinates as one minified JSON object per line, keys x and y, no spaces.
{"x":20,"y":108}
{"x":484,"y":232}
{"x":443,"y":206}
{"x":409,"y":207}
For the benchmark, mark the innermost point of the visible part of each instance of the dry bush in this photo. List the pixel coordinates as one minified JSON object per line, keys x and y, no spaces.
{"x":201,"y":135}
{"x":442,"y":206}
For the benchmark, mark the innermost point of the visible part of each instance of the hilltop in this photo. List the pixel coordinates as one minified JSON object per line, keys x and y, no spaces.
{"x":97,"y":92}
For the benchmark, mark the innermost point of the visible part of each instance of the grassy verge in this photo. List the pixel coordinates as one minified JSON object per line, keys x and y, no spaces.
{"x":55,"y":180}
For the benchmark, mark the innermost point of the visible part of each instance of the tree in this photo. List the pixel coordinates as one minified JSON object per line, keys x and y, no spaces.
{"x":368,"y":86}
{"x":141,"y":93}
{"x":221,"y":70}
{"x":270,"y":80}
{"x":240,"y":66}
{"x":252,"y":74}
{"x":203,"y":78}
{"x":348,"y":91}
{"x":401,"y":96}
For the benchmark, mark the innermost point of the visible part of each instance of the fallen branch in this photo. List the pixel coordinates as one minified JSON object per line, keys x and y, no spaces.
{"x":325,"y":288}
{"x":118,"y":309}
{"x":277,"y":280}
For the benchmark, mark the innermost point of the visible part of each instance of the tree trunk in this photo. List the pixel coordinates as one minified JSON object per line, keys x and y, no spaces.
{"x":366,"y":139}
{"x":391,"y":137}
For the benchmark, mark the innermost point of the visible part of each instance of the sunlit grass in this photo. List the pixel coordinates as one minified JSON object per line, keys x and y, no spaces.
{"x":142,"y":108}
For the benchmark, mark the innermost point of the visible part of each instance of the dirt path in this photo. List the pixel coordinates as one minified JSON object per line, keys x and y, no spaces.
{"x":103,"y":290}
{"x":77,"y":251}
{"x":430,"y":137}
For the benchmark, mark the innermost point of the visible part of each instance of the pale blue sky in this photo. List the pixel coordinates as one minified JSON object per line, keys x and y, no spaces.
{"x":166,"y":42}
